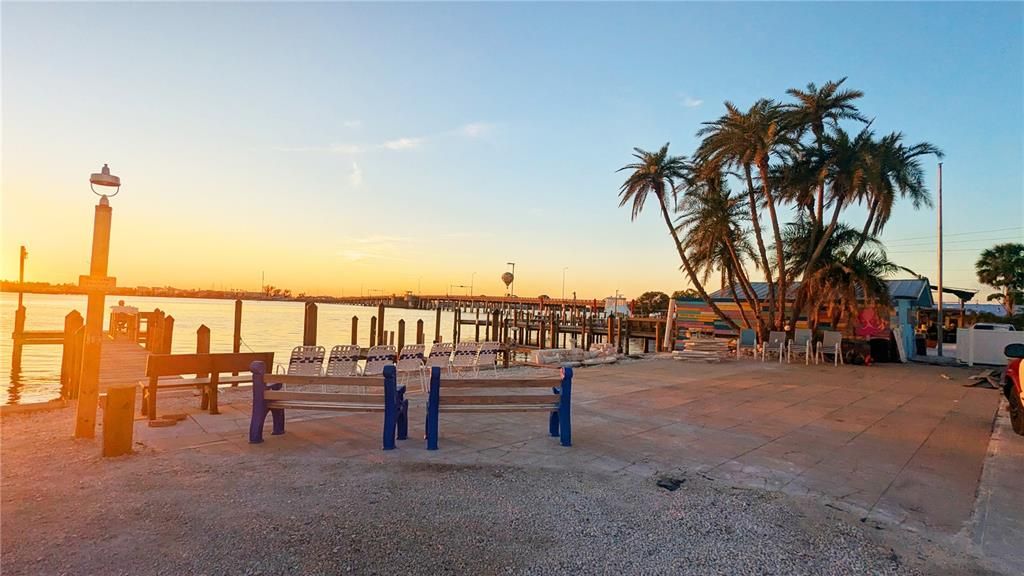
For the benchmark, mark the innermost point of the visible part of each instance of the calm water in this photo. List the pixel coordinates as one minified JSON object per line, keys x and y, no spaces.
{"x":266,"y":326}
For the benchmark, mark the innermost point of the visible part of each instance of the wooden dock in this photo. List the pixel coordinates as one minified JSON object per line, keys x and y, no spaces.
{"x":121,"y":362}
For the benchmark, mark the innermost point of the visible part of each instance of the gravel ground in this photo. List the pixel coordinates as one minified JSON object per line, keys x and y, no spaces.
{"x":64,"y":511}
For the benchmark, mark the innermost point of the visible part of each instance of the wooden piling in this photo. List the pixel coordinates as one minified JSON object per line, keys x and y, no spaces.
{"x":611,"y":329}
{"x":625,"y":338}
{"x":118,"y":420}
{"x":309,"y":325}
{"x":380,"y":323}
{"x":419,"y":332}
{"x":19,"y":335}
{"x":69,"y":370}
{"x":203,"y":345}
{"x":401,"y":334}
{"x":476,"y":325}
{"x":167,"y":335}
{"x":373,"y":331}
{"x":236,"y":334}
{"x":355,"y":330}
{"x":437,"y":324}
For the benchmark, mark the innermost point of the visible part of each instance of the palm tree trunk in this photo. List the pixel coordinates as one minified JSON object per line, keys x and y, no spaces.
{"x":864,"y":233}
{"x":809,"y":269}
{"x":762,"y":167}
{"x":760,"y":245}
{"x":689,"y":268}
{"x":748,"y":288}
{"x":736,"y":299}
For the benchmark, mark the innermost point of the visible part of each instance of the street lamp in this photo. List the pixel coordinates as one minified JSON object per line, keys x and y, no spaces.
{"x":96,"y":285}
{"x":472,"y":279}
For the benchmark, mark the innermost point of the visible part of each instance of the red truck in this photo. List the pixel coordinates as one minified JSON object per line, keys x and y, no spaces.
{"x":1013,"y":385}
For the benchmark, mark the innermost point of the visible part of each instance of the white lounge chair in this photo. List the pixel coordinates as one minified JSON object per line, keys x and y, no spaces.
{"x":305,"y":361}
{"x":377,"y":358}
{"x":831,"y":343}
{"x":776,"y":344}
{"x":747,"y":341}
{"x":410,"y":360}
{"x":802,"y":343}
{"x":343,"y":360}
{"x":440,"y":356}
{"x":465,"y":357}
{"x":487,"y":357}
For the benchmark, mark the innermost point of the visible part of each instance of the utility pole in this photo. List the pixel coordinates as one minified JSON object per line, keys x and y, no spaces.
{"x":563,"y":282}
{"x":938,"y":349}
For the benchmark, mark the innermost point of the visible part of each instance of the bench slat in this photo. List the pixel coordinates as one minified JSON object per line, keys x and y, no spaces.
{"x":497,"y":408}
{"x":327,"y":397}
{"x":298,"y":405}
{"x":501,"y":383}
{"x":518,"y":399}
{"x":296,"y":380}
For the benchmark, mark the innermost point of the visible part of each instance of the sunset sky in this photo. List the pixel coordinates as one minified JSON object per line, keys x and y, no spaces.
{"x":339,"y":148}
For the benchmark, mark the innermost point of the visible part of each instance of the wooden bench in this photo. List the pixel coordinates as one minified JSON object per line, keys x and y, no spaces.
{"x":451,"y":397}
{"x":207,"y":369}
{"x":269,"y":397}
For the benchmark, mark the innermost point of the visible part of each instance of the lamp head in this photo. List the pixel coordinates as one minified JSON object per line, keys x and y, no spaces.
{"x":105,"y":178}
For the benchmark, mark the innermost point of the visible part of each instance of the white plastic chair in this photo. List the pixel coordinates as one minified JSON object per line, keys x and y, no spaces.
{"x":377,"y":358}
{"x":776,"y":344}
{"x":801,"y":344}
{"x":410,"y":359}
{"x":747,"y":341}
{"x":465,"y":357}
{"x":831,"y":343}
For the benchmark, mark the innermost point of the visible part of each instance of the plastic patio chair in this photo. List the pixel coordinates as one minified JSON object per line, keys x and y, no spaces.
{"x":776,"y":344}
{"x":831,"y":343}
{"x":747,"y":341}
{"x":305,"y":361}
{"x":801,"y":344}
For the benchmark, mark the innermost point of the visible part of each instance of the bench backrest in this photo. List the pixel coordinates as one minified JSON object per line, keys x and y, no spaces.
{"x":179,"y":364}
{"x":467,"y":392}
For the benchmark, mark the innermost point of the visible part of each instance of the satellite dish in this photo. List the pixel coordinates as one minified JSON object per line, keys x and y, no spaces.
{"x":507,"y":278}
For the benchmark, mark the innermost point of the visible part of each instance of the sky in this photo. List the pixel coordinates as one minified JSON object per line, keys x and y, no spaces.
{"x":347,"y":148}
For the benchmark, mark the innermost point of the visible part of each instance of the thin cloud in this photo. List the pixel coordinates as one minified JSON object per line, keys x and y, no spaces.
{"x":340,"y":149}
{"x":476,"y":129}
{"x":375,"y":247}
{"x":690,"y":102}
{"x":352,"y":123}
{"x":403,"y":143}
{"x":355,"y":178}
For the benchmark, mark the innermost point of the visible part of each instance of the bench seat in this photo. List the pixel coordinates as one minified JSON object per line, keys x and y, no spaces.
{"x":502,"y":395}
{"x":269,"y":397}
{"x":161,"y":366}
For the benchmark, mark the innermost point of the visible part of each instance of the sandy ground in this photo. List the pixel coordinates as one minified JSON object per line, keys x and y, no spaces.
{"x":224,"y":511}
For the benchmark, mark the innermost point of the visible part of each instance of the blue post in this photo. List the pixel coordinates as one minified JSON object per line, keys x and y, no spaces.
{"x":564,"y":416}
{"x":259,"y":405}
{"x":553,"y":418}
{"x":390,"y":407}
{"x":433,"y":407}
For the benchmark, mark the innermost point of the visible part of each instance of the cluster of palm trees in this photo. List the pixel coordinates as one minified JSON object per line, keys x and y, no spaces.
{"x":796,"y":159}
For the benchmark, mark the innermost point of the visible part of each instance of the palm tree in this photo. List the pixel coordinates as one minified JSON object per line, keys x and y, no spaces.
{"x":818,"y":108}
{"x":658,"y":173}
{"x":841,"y":280}
{"x":893,"y":169}
{"x":727,"y":142}
{"x":1002,"y":267}
{"x":712,"y":223}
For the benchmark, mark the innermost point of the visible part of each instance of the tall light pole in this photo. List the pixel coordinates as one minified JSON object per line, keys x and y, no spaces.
{"x":512,"y":287}
{"x":472,"y":279}
{"x":563,"y":281}
{"x":938,"y":349}
{"x":96,"y":285}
